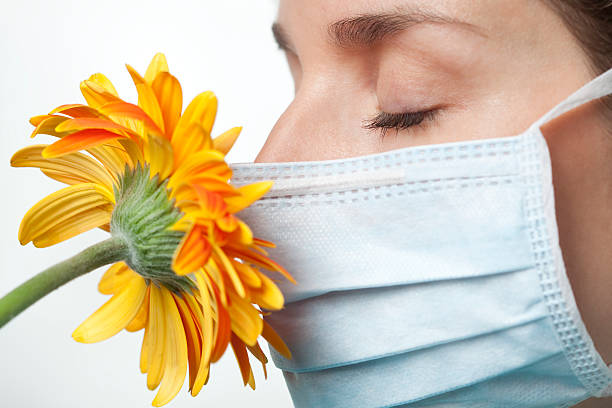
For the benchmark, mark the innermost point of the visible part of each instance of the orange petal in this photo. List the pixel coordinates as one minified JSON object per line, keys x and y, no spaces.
{"x":275,"y":341}
{"x":223,"y":327}
{"x":242,"y":358}
{"x":95,"y":123}
{"x":192,"y":253}
{"x":170,"y":97}
{"x":78,"y":141}
{"x":146,"y":98}
{"x":119,"y":110}
{"x":227,"y":223}
{"x":77,"y":110}
{"x":211,"y":204}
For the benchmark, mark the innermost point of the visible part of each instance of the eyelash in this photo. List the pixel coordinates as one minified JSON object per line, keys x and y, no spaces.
{"x":398,"y":121}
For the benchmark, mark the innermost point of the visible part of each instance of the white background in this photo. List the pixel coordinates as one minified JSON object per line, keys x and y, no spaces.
{"x":47,"y":48}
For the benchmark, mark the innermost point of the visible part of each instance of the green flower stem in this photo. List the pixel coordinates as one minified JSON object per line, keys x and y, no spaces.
{"x":103,"y":253}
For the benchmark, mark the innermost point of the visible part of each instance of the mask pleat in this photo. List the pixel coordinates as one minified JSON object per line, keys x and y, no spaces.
{"x":402,"y":319}
{"x":456,"y":228}
{"x":413,"y":376}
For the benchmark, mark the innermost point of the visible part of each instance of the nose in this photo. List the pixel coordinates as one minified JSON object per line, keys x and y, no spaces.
{"x":321,"y":123}
{"x":283,"y":140}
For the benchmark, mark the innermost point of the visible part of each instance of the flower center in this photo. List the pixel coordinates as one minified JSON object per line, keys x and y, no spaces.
{"x":142,"y":216}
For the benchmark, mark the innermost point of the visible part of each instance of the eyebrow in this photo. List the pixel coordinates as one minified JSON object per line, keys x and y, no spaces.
{"x":365,"y":30}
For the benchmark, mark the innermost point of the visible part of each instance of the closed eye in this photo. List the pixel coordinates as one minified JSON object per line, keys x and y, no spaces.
{"x":398,"y":121}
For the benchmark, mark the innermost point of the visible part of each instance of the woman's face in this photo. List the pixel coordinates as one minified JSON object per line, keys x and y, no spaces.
{"x":465,"y":70}
{"x":372,"y":76}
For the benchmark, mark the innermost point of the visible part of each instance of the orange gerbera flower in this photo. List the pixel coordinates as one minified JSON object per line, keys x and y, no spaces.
{"x":155,"y":179}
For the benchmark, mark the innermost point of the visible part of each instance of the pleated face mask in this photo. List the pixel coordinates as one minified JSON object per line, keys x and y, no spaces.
{"x":428,"y":276}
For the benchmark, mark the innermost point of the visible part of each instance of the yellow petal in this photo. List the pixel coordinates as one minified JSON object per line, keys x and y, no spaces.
{"x":158,"y":64}
{"x":105,"y":83}
{"x":79,"y":223}
{"x":140,"y":320}
{"x":77,"y":110}
{"x":156,"y":342}
{"x":170,"y":98}
{"x":116,"y":273}
{"x":247,"y":275}
{"x":259,"y":354}
{"x":202,"y":110}
{"x":158,"y":153}
{"x":114,"y":315}
{"x":268,"y":295}
{"x":96,"y":95}
{"x":245,"y":319}
{"x":175,"y":353}
{"x":249,"y":194}
{"x":132,"y":150}
{"x":229,"y":269}
{"x":193,"y":334}
{"x":77,"y":165}
{"x":112,"y":156}
{"x":192,"y":140}
{"x":144,"y":350}
{"x":197,"y":163}
{"x":61,"y":206}
{"x":46,"y":124}
{"x":251,"y":380}
{"x":226,"y":140}
{"x":206,"y":322}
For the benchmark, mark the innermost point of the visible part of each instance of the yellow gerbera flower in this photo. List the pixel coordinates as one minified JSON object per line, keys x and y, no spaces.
{"x":156,"y":180}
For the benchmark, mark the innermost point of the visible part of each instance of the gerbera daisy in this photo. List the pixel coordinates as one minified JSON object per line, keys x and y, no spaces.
{"x":189,"y":271}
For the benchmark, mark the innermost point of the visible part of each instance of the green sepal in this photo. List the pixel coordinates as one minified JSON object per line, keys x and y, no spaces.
{"x":142,"y":217}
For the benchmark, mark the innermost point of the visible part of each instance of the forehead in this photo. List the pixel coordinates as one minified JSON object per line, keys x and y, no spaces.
{"x":312,"y":18}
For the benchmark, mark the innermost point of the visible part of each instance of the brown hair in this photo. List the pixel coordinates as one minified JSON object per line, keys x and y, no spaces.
{"x":590,"y":21}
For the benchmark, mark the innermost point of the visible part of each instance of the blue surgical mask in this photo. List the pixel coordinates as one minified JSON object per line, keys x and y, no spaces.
{"x":428,"y":276}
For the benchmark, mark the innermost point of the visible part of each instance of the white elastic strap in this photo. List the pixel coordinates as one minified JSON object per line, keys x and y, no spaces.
{"x":597,"y":88}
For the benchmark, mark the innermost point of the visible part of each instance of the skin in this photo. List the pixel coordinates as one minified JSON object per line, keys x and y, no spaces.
{"x":492,"y":77}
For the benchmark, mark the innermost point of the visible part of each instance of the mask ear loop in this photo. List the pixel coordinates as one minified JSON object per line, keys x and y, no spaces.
{"x":598,"y":87}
